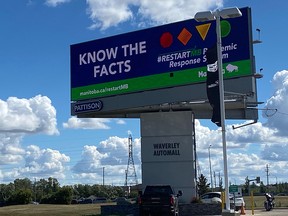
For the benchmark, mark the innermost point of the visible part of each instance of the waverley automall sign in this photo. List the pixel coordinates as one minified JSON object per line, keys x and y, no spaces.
{"x":160,"y":57}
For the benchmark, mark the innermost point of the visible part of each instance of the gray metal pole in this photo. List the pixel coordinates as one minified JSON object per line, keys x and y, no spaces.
{"x":103,"y":173}
{"x":210,"y":168}
{"x":222,"y":106}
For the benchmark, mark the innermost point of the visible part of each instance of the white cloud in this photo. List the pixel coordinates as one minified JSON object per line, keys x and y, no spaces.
{"x":111,"y":154}
{"x":40,"y":163}
{"x":278,"y":119}
{"x":90,"y":160}
{"x":109,"y":13}
{"x":167,"y":11}
{"x":120,"y":121}
{"x":19,"y":117}
{"x":249,"y":149}
{"x":44,"y":161}
{"x":10,"y":148}
{"x":34,"y":115}
{"x":105,"y":14}
{"x":86,"y":123}
{"x":54,"y":3}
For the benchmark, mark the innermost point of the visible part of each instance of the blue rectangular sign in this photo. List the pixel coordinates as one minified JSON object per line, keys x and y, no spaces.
{"x":159,"y":57}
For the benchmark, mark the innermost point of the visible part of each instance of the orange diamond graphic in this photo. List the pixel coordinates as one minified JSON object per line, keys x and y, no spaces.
{"x":184,"y":36}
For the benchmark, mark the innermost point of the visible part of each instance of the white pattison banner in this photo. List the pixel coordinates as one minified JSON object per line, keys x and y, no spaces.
{"x":167,"y":151}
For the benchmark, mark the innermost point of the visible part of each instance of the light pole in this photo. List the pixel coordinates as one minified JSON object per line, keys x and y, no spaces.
{"x":103,"y":175}
{"x":210,"y":168}
{"x":208,"y":16}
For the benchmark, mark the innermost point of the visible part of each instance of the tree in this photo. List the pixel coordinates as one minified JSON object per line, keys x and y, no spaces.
{"x":64,"y":195}
{"x":262,"y":187}
{"x":246,"y":185}
{"x":6,"y":191}
{"x":202,"y":185}
{"x":24,"y":184}
{"x":22,"y":196}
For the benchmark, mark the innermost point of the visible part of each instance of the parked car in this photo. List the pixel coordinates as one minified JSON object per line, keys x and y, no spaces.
{"x":159,"y":200}
{"x":211,"y":197}
{"x":215,"y":197}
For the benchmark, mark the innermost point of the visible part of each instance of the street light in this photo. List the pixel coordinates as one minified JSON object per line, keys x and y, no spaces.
{"x":210,"y":167}
{"x":208,"y":16}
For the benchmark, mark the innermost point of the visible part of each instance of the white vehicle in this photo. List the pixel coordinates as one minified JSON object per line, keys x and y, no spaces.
{"x":215,"y":197}
{"x":211,"y":197}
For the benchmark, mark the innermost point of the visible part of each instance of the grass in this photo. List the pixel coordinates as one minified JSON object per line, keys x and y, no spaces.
{"x":50,"y":210}
{"x":280,"y":201}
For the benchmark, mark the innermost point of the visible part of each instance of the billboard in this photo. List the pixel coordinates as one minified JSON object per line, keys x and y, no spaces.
{"x":158,"y":58}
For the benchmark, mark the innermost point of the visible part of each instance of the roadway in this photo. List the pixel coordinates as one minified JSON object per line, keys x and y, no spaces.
{"x":263,"y":212}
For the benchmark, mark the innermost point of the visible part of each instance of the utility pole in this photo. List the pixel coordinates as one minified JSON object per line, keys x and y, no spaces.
{"x":267,"y":174}
{"x":210,"y":168}
{"x":103,"y":176}
{"x":35,"y":190}
{"x":214,"y":175}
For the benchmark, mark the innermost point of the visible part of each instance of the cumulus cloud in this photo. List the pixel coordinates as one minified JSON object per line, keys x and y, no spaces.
{"x":36,"y":163}
{"x":105,"y":14}
{"x":249,"y":149}
{"x":278,"y":117}
{"x":44,"y":161}
{"x":111,"y":154}
{"x":90,"y":160}
{"x":34,"y":115}
{"x":19,"y":117}
{"x":86,"y":123}
{"x":11,"y":151}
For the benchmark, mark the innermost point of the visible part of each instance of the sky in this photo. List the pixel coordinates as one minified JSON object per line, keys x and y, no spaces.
{"x":38,"y":136}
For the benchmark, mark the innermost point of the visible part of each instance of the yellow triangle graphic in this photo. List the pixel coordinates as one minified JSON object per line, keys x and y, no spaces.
{"x":203,"y":30}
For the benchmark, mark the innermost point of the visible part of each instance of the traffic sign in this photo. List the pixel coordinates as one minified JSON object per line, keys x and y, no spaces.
{"x":233,"y":189}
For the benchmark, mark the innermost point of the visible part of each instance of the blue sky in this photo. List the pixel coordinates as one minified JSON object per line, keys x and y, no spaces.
{"x":38,"y":136}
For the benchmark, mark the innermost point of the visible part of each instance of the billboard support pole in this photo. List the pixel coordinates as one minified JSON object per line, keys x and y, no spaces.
{"x":207,"y":16}
{"x":222,"y":107}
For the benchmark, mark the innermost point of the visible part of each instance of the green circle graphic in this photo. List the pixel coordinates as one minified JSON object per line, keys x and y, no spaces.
{"x":225,"y":28}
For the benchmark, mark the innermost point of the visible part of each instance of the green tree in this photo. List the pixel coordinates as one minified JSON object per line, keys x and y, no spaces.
{"x":6,"y":191}
{"x":202,"y":185}
{"x":246,"y":185}
{"x":83,"y":190}
{"x":262,"y":187}
{"x":64,"y":195}
{"x":22,"y":196}
{"x":25,"y":184}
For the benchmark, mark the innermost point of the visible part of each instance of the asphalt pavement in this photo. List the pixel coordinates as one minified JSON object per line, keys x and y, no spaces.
{"x":263,"y":212}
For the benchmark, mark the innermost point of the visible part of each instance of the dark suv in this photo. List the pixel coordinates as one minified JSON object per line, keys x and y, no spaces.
{"x":159,"y":200}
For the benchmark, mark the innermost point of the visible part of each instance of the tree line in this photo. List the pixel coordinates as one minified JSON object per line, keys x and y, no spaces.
{"x":49,"y":191}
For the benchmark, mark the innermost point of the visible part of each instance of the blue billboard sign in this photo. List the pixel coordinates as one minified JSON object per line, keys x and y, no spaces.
{"x":159,"y":57}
